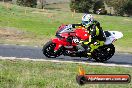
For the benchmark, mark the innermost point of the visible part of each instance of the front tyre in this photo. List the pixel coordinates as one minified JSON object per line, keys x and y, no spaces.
{"x":103,"y":53}
{"x":48,"y":50}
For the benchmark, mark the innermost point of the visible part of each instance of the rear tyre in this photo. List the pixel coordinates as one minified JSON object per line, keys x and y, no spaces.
{"x":103,"y":53}
{"x":48,"y":50}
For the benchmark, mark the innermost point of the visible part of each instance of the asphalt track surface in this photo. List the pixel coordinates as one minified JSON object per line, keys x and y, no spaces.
{"x":36,"y":53}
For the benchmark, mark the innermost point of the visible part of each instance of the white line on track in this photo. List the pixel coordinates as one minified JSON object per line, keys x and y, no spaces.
{"x":59,"y":61}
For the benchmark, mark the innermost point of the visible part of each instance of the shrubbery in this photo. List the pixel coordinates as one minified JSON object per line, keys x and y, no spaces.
{"x":99,"y":5}
{"x":128,"y":7}
{"x":121,"y":7}
{"x":28,"y":3}
{"x":81,"y":5}
{"x":86,"y":6}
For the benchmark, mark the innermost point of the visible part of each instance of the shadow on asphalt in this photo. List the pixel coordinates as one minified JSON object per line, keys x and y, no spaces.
{"x":121,"y":63}
{"x":76,"y":59}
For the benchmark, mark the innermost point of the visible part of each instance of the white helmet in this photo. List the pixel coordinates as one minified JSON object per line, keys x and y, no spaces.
{"x":87,"y":19}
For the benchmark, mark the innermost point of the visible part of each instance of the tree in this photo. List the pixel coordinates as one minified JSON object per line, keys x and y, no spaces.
{"x":28,"y":3}
{"x":118,"y":5}
{"x":81,"y":5}
{"x":99,"y":4}
{"x":128,"y":7}
{"x":41,"y":3}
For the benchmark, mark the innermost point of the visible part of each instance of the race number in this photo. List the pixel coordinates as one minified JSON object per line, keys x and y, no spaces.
{"x":76,"y":40}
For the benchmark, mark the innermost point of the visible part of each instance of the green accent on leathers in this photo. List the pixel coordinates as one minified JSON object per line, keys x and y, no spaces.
{"x":97,"y":31}
{"x":93,"y":47}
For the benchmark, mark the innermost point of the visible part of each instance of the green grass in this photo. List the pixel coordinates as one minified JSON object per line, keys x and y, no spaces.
{"x":41,"y":24}
{"x":30,"y":74}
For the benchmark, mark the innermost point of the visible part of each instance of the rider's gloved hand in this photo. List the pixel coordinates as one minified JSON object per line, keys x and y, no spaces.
{"x":69,"y":26}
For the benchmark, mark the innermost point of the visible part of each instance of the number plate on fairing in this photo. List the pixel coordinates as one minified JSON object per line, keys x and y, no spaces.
{"x":76,"y":40}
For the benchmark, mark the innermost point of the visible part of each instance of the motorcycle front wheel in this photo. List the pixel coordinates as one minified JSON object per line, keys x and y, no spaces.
{"x":103,"y":53}
{"x":48,"y":50}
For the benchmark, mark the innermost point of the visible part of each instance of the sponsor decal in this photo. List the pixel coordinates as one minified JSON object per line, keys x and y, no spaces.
{"x":83,"y":78}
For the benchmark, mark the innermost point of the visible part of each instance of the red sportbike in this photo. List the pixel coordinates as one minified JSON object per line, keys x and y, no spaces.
{"x":67,"y":41}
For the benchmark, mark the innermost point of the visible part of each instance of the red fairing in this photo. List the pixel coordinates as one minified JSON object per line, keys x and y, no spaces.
{"x":82,"y":33}
{"x":59,"y":43}
{"x":64,"y":35}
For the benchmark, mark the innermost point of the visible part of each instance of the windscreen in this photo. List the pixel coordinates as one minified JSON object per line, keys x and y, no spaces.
{"x":64,"y":29}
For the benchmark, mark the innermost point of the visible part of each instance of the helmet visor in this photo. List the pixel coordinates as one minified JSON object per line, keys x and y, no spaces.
{"x":85,"y":22}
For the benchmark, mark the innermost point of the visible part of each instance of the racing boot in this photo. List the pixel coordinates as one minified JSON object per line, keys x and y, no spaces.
{"x":80,"y":48}
{"x":89,"y":51}
{"x":83,"y":50}
{"x":87,"y":48}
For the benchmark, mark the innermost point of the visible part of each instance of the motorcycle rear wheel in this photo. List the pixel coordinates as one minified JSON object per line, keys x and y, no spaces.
{"x":103,"y":53}
{"x":48,"y":50}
